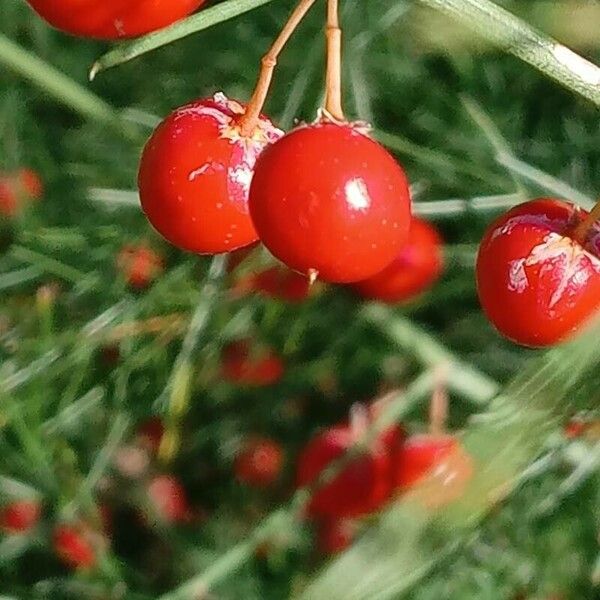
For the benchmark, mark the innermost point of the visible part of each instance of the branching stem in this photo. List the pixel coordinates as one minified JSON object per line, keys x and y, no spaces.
{"x":269,"y":62}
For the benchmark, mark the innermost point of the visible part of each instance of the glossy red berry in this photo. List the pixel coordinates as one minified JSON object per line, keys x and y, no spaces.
{"x":20,"y":516}
{"x":537,"y":284}
{"x":112,"y":19}
{"x":360,"y":488}
{"x":168,"y":499}
{"x":326,"y":199}
{"x":259,"y":462}
{"x":245,"y":364}
{"x":335,"y":535}
{"x":195,"y":174}
{"x":140,"y":265}
{"x":415,"y":269}
{"x":73,"y":546}
{"x":276,"y":282}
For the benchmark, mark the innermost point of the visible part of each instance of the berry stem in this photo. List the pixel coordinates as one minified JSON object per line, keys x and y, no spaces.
{"x":333,"y":77}
{"x":268,"y":63}
{"x":580,"y":233}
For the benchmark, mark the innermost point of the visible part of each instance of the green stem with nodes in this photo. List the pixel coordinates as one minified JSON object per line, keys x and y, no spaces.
{"x":57,"y":84}
{"x":269,"y":62}
{"x":581,"y":232}
{"x":333,"y":77}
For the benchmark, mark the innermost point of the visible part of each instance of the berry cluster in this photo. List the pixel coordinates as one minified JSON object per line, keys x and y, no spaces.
{"x":393,"y":464}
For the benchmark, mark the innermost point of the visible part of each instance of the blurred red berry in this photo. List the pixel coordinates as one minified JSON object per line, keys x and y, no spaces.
{"x":150,"y":434}
{"x":17,"y":189}
{"x":20,"y":516}
{"x":276,"y":282}
{"x":73,"y":546}
{"x":417,"y":266}
{"x":360,"y":487}
{"x":30,"y":183}
{"x":574,"y":428}
{"x":139,"y":265}
{"x":419,"y":455}
{"x":259,"y":462}
{"x":251,"y":366}
{"x":335,"y":535}
{"x":169,"y":499}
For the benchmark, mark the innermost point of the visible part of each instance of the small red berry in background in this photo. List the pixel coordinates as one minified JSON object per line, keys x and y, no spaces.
{"x":20,"y":516}
{"x":150,"y":434}
{"x":275,"y":282}
{"x":139,"y":265}
{"x":575,"y":428}
{"x":112,"y":19}
{"x":72,"y":544}
{"x":168,"y":499}
{"x":195,"y":175}
{"x":245,"y":364}
{"x":537,"y":283}
{"x":416,"y":268}
{"x":329,"y":201}
{"x":259,"y":462}
{"x":335,"y":535}
{"x":18,"y":189}
{"x":360,"y":487}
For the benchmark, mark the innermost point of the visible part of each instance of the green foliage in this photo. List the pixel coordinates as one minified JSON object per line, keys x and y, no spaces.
{"x":475,"y":128}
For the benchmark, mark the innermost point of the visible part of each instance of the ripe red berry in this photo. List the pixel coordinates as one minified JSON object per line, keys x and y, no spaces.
{"x":276,"y":282}
{"x":419,"y":455}
{"x":335,"y":535}
{"x":20,"y":516}
{"x":359,"y":488}
{"x":17,"y":189}
{"x":112,"y":19}
{"x":168,"y":499}
{"x":259,"y":462}
{"x":139,"y":264}
{"x":150,"y":434}
{"x":253,"y":366}
{"x":30,"y":183}
{"x":416,"y":268}
{"x":537,"y":284}
{"x":73,"y":546}
{"x":195,"y":174}
{"x":575,"y":428}
{"x":326,"y":199}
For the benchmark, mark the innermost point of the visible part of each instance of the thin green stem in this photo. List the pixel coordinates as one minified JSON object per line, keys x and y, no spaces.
{"x":57,"y":84}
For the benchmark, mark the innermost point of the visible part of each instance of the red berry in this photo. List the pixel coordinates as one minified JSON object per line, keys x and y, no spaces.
{"x":276,"y":282}
{"x":140,"y":265}
{"x":575,"y":428}
{"x":112,"y":19}
{"x":20,"y":516}
{"x":416,"y":268}
{"x":30,"y":183}
{"x":169,"y":499}
{"x":335,"y":535}
{"x":536,"y":283}
{"x":327,"y":199}
{"x":195,"y":175}
{"x":259,"y":462}
{"x":150,"y":433}
{"x":419,"y":455}
{"x":246,"y":365}
{"x":17,"y":189}
{"x":73,"y":546}
{"x":360,"y":488}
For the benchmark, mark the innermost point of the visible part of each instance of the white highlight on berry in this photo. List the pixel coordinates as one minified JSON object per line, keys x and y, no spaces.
{"x":357,"y":194}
